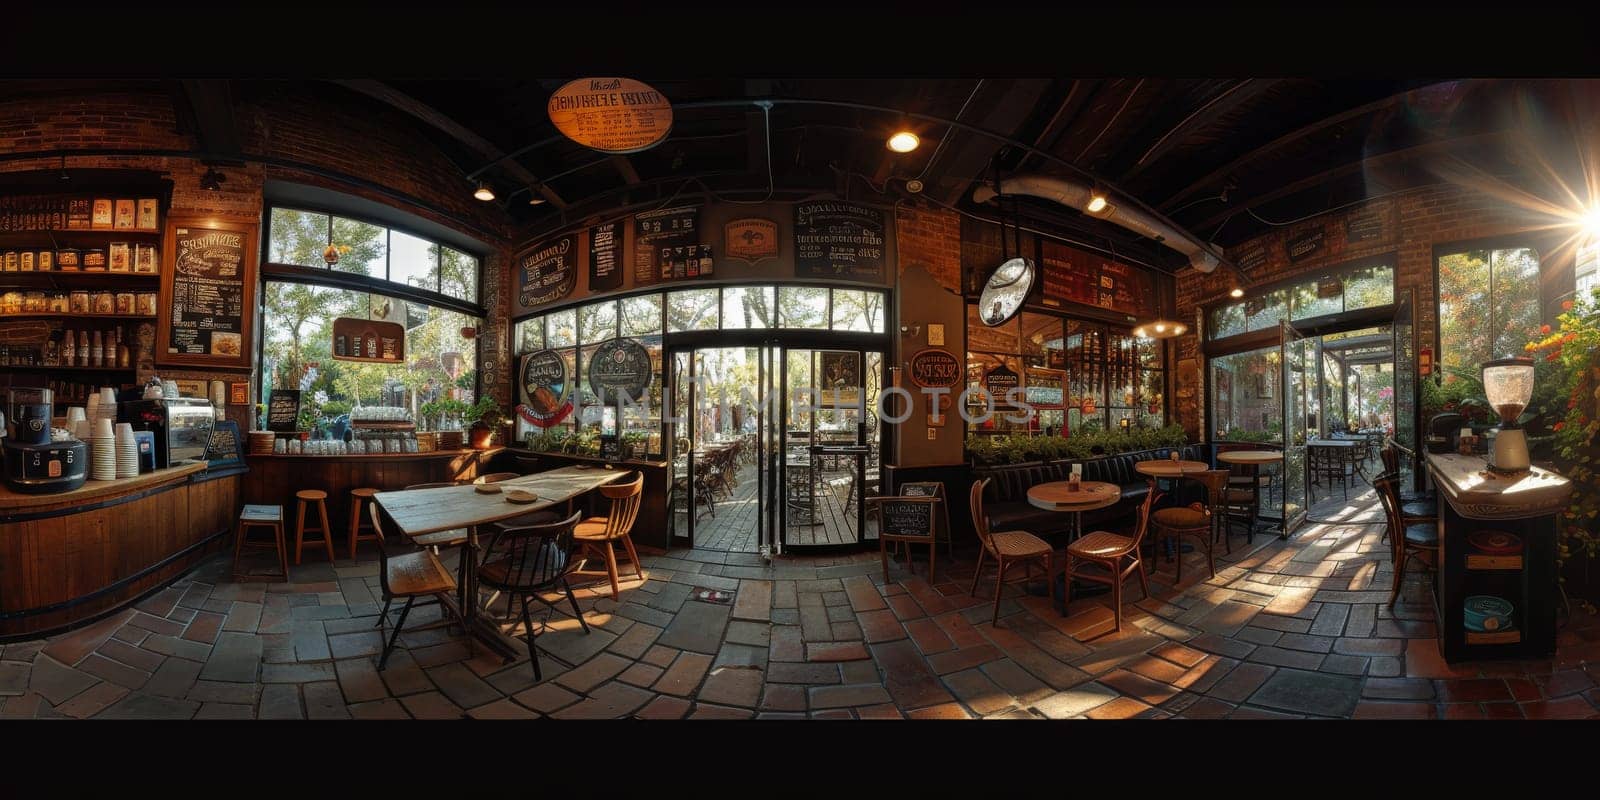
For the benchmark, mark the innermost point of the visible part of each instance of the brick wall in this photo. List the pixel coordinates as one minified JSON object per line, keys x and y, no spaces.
{"x":1413,"y":223}
{"x":930,"y":237}
{"x":313,"y":126}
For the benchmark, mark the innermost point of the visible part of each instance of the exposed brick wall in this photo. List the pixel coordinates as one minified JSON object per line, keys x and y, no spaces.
{"x":1416,"y":221}
{"x":930,"y":237}
{"x":357,"y":138}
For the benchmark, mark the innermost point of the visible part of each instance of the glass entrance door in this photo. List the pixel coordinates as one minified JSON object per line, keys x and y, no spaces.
{"x":719,"y":447}
{"x":1300,"y":370}
{"x":831,"y":439}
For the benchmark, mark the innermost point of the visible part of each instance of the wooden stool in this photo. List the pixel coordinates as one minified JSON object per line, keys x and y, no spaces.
{"x":261,"y":517}
{"x":357,"y":497}
{"x":306,"y":498}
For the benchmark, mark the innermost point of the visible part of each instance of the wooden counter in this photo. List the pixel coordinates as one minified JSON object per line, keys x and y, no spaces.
{"x":68,"y":558}
{"x":1473,"y":500}
{"x":274,"y":478}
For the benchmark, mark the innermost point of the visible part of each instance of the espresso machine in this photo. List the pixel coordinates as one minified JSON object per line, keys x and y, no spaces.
{"x":180,"y":426}
{"x":34,"y":464}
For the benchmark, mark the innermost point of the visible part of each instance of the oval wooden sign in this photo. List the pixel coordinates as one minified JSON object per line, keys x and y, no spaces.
{"x":612,"y":115}
{"x":935,"y":368}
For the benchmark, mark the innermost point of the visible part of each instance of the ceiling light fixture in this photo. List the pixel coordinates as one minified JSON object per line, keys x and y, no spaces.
{"x":483,"y":192}
{"x":1236,"y":293}
{"x":536,"y":200}
{"x":904,"y":142}
{"x":212,"y":181}
{"x":1097,"y":201}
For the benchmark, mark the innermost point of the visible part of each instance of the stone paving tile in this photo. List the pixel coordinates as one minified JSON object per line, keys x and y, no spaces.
{"x":685,"y":674}
{"x":297,"y":673}
{"x":236,"y":657}
{"x":447,"y":653}
{"x":880,"y":625}
{"x":1281,"y":624}
{"x":825,"y":697}
{"x":751,"y":633}
{"x":610,"y":701}
{"x":204,"y":627}
{"x":1260,"y":636}
{"x":359,"y":680}
{"x":225,"y":711}
{"x":1280,"y":657}
{"x":221,"y":692}
{"x":783,"y":697}
{"x":1386,"y":709}
{"x":1074,"y":701}
{"x":957,"y":660}
{"x":1569,"y":707}
{"x":73,"y":647}
{"x":130,"y":634}
{"x":1179,"y":654}
{"x":431,"y":705}
{"x":733,"y":655}
{"x":836,"y":651}
{"x":323,"y":701}
{"x":1306,"y":643}
{"x":641,"y":674}
{"x":546,"y":698}
{"x":698,"y":627}
{"x":1331,"y":619}
{"x":907,"y":676}
{"x":636,"y":641}
{"x":138,"y":705}
{"x":664,"y":707}
{"x":388,"y":708}
{"x":785,"y":672}
{"x":93,"y":701}
{"x":57,"y":683}
{"x":13,"y":678}
{"x":1222,"y":647}
{"x":978,"y":692}
{"x":732,"y":686}
{"x":1036,"y":661}
{"x":125,"y":653}
{"x":1309,"y":693}
{"x":1120,"y":708}
{"x":1241,"y":682}
{"x":1139,"y":687}
{"x":458,"y":683}
{"x":404,"y":676}
{"x":501,"y":709}
{"x":863,"y":595}
{"x":1564,"y":682}
{"x":1472,"y":690}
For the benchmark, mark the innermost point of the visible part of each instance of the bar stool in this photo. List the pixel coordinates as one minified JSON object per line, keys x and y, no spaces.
{"x":306,"y":497}
{"x":357,"y":497}
{"x":255,"y":516}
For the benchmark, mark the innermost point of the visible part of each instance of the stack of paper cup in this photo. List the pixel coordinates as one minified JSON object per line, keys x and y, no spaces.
{"x":103,"y":465}
{"x":93,"y":411}
{"x":127,"y":452}
{"x":75,"y":415}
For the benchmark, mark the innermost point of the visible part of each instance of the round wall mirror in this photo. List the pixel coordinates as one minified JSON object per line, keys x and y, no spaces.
{"x":1005,"y":291}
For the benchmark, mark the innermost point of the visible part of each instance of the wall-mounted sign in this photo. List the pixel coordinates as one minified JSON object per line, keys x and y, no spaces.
{"x":1425,"y":361}
{"x":543,"y":384}
{"x":283,"y":410}
{"x":934,"y":368}
{"x":1330,"y":287}
{"x":605,"y":244}
{"x":834,"y":239}
{"x":546,"y":272}
{"x":223,"y":449}
{"x":1251,"y":256}
{"x":751,"y":239}
{"x":618,"y":368}
{"x":612,"y":115}
{"x":207,"y":295}
{"x":368,"y":341}
{"x":661,"y":244}
{"x":1000,"y":380}
{"x":907,"y":517}
{"x":1365,"y":225}
{"x":1302,"y":246}
{"x":238,"y":394}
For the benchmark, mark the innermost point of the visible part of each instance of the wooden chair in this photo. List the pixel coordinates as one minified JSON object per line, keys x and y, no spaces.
{"x":599,"y":535}
{"x":1177,"y":522}
{"x":1328,"y":462}
{"x":455,"y":537}
{"x":408,"y":575}
{"x":1407,"y":539}
{"x":530,"y":560}
{"x":1117,"y":554}
{"x":1006,"y":548}
{"x":1415,"y":507}
{"x":306,"y":498}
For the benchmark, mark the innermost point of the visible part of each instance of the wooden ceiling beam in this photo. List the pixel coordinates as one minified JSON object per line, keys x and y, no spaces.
{"x":1208,"y":112}
{"x":211,"y":104}
{"x":626,"y":170}
{"x":384,"y":93}
{"x":1224,"y":171}
{"x":1380,"y":161}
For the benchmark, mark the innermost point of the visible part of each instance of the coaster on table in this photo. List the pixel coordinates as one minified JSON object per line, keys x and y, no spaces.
{"x":487,"y":488}
{"x":520,"y":496}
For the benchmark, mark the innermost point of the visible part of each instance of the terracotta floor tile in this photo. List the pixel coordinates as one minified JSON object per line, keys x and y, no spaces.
{"x":1387,"y":709}
{"x":1120,"y":708}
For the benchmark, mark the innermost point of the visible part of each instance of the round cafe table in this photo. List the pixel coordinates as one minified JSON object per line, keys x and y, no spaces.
{"x":1167,"y":468}
{"x":1253,"y":459}
{"x":1059,"y":496}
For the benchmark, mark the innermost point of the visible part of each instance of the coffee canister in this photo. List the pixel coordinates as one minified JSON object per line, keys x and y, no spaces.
{"x":94,"y":259}
{"x":78,"y":302}
{"x":69,"y":259}
{"x":145,"y":304}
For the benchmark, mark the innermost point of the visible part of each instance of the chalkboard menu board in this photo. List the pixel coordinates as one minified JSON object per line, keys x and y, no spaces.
{"x":658,"y":237}
{"x":834,"y":239}
{"x":223,"y":450}
{"x":207,"y":293}
{"x":907,"y":517}
{"x":547,"y":271}
{"x":1302,"y":246}
{"x":605,"y":244}
{"x":283,"y":410}
{"x":1076,"y":276}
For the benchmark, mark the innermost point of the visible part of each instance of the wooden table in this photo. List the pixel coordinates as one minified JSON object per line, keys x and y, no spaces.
{"x":1167,"y":468}
{"x":419,"y":511}
{"x":1254,"y":459}
{"x":1058,"y":496}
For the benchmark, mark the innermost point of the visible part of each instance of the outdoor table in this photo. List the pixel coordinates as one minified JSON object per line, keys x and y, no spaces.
{"x":1253,"y":459}
{"x":419,"y":511}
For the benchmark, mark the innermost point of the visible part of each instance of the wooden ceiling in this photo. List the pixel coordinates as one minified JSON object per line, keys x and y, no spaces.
{"x":1224,"y":158}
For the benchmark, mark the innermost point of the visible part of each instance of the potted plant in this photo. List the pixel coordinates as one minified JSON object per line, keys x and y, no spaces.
{"x":487,"y":419}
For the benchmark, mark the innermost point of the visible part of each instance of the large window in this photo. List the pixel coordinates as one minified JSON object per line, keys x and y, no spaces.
{"x":438,"y":378}
{"x":300,"y":238}
{"x":1488,"y":306}
{"x":1247,"y":396}
{"x":1341,"y":289}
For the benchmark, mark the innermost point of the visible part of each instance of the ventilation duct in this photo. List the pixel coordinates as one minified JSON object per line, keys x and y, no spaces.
{"x":1076,"y":196}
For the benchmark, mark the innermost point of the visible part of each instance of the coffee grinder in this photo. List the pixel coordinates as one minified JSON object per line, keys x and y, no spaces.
{"x":1508,"y":383}
{"x":33,"y":463}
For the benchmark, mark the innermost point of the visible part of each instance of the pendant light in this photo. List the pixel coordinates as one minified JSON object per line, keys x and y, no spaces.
{"x":1160,"y":327}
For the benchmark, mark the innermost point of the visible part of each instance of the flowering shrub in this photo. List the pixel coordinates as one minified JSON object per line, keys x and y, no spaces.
{"x":1574,"y":345}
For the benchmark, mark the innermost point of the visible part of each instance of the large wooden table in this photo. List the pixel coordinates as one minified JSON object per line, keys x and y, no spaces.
{"x":419,"y":511}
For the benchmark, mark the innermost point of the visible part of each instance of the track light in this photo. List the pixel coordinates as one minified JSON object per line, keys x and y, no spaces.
{"x":1097,"y":202}
{"x":212,"y":181}
{"x":483,"y":192}
{"x":904,"y":141}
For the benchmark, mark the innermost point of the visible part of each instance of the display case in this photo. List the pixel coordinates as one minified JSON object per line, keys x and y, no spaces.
{"x":1495,"y":590}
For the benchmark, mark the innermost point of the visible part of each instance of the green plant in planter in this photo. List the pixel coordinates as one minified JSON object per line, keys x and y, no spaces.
{"x":1575,"y":348}
{"x":1023,"y":448}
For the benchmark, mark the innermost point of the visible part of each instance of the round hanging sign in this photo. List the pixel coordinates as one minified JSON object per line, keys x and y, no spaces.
{"x":620,"y":369}
{"x":544,"y":389}
{"x":1005,"y":291}
{"x":612,"y":115}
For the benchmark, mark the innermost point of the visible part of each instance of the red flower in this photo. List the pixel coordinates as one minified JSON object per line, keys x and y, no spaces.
{"x":1559,"y":426}
{"x":1566,"y":305}
{"x":1553,"y":356}
{"x":1544,"y":329}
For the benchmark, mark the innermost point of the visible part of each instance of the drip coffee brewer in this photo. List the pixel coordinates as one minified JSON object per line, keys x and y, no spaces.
{"x":1508,"y":384}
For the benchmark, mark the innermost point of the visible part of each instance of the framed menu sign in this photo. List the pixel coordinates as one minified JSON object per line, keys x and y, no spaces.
{"x":547,"y":271}
{"x":605,"y":245}
{"x":834,"y":239}
{"x":207,"y":293}
{"x":283,"y":410}
{"x":660,"y":244}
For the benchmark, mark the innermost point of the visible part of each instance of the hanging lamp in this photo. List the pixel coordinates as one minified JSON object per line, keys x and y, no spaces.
{"x":1160,"y":327}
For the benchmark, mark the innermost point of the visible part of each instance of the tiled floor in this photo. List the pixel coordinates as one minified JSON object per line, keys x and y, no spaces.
{"x":1286,"y":629}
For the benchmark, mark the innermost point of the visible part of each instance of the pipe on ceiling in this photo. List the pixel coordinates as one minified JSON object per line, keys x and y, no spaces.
{"x":1075,"y":195}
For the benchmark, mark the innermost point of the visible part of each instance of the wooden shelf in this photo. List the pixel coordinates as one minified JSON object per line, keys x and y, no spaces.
{"x":57,"y":279}
{"x":60,"y":367}
{"x":1512,"y":636}
{"x":53,"y":232}
{"x":60,"y":315}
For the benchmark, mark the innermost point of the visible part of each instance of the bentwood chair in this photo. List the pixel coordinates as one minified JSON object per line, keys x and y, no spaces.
{"x":1006,"y":548}
{"x":1407,"y":540}
{"x":598,"y":536}
{"x":1327,"y":462}
{"x":456,"y":537}
{"x":1118,"y":555}
{"x":1415,"y":507}
{"x":529,"y":561}
{"x":1202,"y":525}
{"x":407,"y":575}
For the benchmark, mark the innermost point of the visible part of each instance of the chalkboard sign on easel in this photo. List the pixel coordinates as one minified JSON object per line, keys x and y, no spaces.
{"x":223,"y":450}
{"x":909,"y":519}
{"x":283,"y":411}
{"x":933,"y":489}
